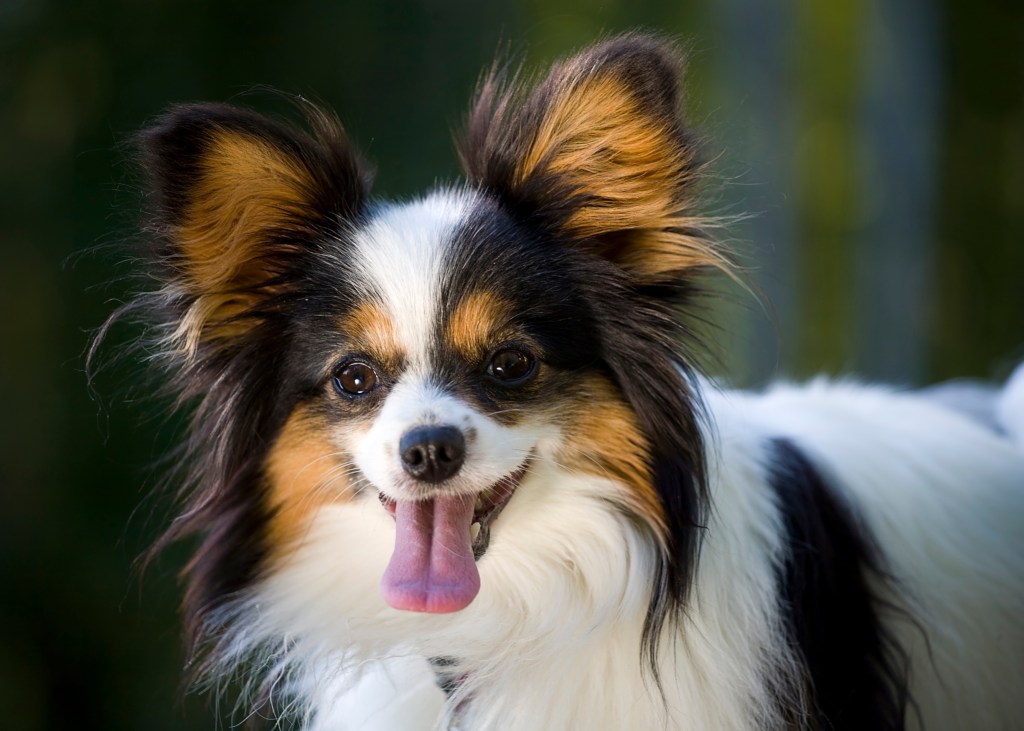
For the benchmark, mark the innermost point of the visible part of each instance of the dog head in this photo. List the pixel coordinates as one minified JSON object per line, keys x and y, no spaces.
{"x":440,"y":360}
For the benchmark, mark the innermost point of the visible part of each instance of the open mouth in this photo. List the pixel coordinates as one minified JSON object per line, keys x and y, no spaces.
{"x":437,"y":544}
{"x":488,"y":505}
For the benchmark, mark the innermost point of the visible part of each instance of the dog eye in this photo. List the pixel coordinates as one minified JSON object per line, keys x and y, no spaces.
{"x":355,"y":378}
{"x":511,"y":366}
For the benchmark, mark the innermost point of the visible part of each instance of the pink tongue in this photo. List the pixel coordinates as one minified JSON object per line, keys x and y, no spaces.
{"x":432,"y":568}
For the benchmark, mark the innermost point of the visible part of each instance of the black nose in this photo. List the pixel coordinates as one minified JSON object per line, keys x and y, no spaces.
{"x":432,"y":453}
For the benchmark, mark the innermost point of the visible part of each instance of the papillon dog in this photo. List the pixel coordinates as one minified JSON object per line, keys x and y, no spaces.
{"x":451,"y":462}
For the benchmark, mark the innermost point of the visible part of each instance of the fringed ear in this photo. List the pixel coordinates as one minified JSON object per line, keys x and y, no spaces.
{"x":238,"y":198}
{"x":597,"y":153}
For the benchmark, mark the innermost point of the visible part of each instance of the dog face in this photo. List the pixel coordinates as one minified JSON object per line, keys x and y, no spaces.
{"x":440,"y":358}
{"x":447,"y":373}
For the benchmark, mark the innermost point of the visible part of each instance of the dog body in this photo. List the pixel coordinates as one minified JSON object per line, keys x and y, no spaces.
{"x":729,"y":662}
{"x":459,"y":442}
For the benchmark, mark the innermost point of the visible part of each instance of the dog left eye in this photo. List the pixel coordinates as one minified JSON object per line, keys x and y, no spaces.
{"x":511,"y":366}
{"x":355,"y":378}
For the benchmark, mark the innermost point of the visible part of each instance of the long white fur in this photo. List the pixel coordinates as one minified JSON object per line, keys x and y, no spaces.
{"x":1010,"y":409}
{"x":944,"y":497}
{"x":553,"y":639}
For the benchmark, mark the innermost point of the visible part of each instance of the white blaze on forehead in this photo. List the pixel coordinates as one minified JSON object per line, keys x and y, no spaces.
{"x":399,"y":261}
{"x":400,"y":258}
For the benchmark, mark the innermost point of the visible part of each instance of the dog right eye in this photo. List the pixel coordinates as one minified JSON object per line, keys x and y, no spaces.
{"x":355,"y":378}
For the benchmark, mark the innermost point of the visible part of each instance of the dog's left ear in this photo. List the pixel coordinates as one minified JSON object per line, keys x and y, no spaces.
{"x":598,"y":155}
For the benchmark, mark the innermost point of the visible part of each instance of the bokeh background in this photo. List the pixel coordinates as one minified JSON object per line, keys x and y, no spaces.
{"x":878,"y":146}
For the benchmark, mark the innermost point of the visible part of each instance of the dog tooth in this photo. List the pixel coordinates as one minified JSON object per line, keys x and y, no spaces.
{"x":479,"y":505}
{"x":474,"y":530}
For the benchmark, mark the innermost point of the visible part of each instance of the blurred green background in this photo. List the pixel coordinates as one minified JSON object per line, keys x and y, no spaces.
{"x":878,"y":145}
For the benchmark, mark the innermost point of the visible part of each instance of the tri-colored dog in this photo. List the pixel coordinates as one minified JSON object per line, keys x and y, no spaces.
{"x":451,"y":463}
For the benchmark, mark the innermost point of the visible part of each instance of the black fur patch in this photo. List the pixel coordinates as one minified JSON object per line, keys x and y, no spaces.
{"x":855,"y":673}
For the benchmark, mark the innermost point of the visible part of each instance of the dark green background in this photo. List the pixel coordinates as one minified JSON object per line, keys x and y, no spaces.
{"x":879,"y":146}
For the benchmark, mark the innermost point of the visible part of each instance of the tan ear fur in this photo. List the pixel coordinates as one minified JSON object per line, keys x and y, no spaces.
{"x":238,"y":198}
{"x":246,"y":189}
{"x":599,"y":149}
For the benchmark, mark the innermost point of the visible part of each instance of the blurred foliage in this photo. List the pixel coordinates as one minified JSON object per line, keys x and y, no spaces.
{"x":800,"y":105}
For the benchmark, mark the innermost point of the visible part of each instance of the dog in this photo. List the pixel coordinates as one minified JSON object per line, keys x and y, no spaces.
{"x":451,"y":462}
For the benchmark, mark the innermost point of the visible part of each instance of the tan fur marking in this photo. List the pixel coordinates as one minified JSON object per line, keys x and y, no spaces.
{"x":475,"y":324}
{"x":372,"y":330}
{"x":209,"y":317}
{"x":606,"y":441}
{"x":305,"y":471}
{"x":597,"y":136}
{"x":246,"y":189}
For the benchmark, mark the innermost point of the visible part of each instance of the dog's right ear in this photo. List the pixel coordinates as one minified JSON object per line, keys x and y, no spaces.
{"x":238,"y":199}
